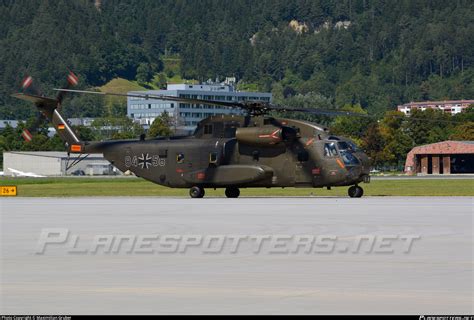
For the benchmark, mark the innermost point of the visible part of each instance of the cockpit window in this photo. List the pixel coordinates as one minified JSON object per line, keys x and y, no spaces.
{"x":353,"y":146}
{"x":347,"y":145}
{"x":330,"y":149}
{"x":346,"y":149}
{"x":343,"y":145}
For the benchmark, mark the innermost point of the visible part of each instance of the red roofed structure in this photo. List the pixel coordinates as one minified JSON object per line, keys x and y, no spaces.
{"x":448,"y":106}
{"x":447,"y":157}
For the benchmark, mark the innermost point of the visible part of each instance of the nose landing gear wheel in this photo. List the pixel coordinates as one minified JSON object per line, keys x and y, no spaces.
{"x":196,"y":192}
{"x":232,"y":192}
{"x":355,"y":192}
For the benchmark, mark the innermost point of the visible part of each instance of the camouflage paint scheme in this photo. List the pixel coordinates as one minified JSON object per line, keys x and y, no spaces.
{"x":229,"y":151}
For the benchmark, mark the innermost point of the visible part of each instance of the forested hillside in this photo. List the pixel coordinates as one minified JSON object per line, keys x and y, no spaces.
{"x":374,"y":52}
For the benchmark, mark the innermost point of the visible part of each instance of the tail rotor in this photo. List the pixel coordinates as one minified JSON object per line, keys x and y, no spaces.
{"x":28,"y":88}
{"x":72,"y":81}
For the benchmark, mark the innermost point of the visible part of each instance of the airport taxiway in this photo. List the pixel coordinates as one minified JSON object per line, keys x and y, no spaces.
{"x":434,"y":277}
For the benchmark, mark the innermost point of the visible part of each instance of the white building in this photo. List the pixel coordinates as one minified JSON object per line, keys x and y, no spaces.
{"x":54,"y":163}
{"x":188,"y":115}
{"x":448,"y":106}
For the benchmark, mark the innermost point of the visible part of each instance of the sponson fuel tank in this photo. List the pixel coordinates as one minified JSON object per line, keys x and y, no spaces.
{"x":229,"y":175}
{"x":264,"y":136}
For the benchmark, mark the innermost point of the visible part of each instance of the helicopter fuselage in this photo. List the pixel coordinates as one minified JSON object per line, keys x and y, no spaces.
{"x":228,"y":151}
{"x":234,"y":151}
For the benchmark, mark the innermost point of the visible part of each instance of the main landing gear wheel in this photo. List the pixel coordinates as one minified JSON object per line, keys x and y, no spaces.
{"x":355,"y":192}
{"x":196,"y":192}
{"x":232,"y":192}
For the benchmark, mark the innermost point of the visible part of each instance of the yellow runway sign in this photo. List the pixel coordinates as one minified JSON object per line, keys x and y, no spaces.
{"x":8,"y":191}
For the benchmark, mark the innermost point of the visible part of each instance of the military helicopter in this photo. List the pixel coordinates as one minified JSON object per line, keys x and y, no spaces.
{"x":254,"y":150}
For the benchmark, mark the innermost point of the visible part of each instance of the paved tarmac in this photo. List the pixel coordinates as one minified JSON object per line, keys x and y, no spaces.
{"x":360,"y":264}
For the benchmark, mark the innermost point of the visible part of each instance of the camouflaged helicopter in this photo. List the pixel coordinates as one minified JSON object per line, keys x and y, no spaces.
{"x":254,"y":150}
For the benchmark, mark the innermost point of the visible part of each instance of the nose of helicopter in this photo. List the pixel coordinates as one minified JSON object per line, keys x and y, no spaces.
{"x":365,"y":162}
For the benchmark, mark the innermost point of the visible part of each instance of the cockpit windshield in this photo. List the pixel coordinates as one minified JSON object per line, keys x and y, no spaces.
{"x":346,"y":150}
{"x":330,"y":149}
{"x":347,"y":145}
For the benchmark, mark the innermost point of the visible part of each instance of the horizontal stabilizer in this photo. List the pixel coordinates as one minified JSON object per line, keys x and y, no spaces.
{"x":37,"y":100}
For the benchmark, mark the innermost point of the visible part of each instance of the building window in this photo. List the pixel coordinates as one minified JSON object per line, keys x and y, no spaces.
{"x":208,"y":129}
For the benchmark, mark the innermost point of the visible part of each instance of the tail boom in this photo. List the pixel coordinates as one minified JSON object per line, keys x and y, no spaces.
{"x":48,"y":107}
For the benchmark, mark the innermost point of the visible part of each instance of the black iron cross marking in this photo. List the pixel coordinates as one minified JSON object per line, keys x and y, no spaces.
{"x":144,"y":161}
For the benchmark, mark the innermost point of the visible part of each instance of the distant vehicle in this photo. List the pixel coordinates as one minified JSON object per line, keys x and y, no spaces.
{"x":78,"y":173}
{"x":374,"y":171}
{"x":18,"y":173}
{"x":99,"y":169}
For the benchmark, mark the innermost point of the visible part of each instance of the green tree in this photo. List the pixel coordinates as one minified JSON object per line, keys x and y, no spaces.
{"x":351,"y":126}
{"x":144,"y":73}
{"x":116,"y":128}
{"x":397,"y":143}
{"x":161,"y":126}
{"x":391,"y":53}
{"x":373,"y":144}
{"x":85,"y":133}
{"x":428,"y":126}
{"x":160,"y":81}
{"x":463,"y":132}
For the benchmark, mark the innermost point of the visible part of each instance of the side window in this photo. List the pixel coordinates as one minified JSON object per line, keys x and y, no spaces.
{"x":208,"y":129}
{"x":213,"y":157}
{"x":180,"y":157}
{"x":163,"y":153}
{"x":330,"y":149}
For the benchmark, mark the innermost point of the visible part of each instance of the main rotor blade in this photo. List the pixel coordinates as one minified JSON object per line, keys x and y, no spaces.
{"x":257,"y":107}
{"x":325,"y":112}
{"x":147,"y":96}
{"x":423,"y":119}
{"x":252,"y":107}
